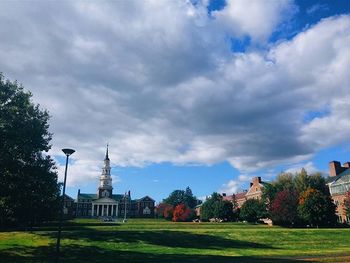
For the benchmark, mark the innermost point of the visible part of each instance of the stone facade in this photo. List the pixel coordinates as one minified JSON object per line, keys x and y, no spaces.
{"x":339,"y":185}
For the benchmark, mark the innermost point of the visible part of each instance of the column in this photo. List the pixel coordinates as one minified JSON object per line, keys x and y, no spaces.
{"x":92,"y":211}
{"x":107,"y":210}
{"x":99,"y":210}
{"x":113,"y":209}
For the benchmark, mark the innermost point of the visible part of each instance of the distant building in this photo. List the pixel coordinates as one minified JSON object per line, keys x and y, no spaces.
{"x":106,"y":204}
{"x":241,"y":198}
{"x":254,"y":192}
{"x":339,"y":185}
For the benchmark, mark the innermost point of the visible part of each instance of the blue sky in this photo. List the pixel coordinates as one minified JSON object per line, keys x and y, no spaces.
{"x":205,"y":94}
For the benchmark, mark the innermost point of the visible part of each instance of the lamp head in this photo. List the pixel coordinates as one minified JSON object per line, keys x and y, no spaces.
{"x":68,"y":151}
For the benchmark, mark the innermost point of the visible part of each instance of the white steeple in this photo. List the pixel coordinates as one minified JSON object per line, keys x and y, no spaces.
{"x":105,"y":188}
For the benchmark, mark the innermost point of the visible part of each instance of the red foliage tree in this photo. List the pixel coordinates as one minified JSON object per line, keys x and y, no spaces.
{"x":168,"y":211}
{"x":284,"y":208}
{"x":164,"y":210}
{"x":181,"y":213}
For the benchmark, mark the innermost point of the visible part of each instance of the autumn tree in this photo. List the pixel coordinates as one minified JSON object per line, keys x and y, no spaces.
{"x":283,"y":210}
{"x":316,"y":208}
{"x":28,"y":179}
{"x":182,"y":213}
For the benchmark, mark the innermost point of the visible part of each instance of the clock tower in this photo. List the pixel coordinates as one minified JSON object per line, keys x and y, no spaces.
{"x":105,"y":188}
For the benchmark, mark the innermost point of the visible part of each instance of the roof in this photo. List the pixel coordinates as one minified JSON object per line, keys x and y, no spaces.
{"x":87,"y":196}
{"x":240,"y":195}
{"x":228,"y":197}
{"x":116,"y":197}
{"x":332,"y":179}
{"x":67,"y":197}
{"x":343,"y":177}
{"x":142,"y":198}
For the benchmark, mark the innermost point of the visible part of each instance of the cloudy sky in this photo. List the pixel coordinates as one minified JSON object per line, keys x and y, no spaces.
{"x":203,"y":94}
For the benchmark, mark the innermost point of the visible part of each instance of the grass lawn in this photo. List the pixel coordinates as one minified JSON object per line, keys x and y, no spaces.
{"x":143,"y":240}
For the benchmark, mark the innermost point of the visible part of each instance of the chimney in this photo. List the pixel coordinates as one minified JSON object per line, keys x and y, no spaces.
{"x":256,"y":180}
{"x":335,"y":168}
{"x":346,"y":165}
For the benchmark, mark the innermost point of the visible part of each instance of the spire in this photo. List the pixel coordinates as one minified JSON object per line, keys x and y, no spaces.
{"x":107,"y":158}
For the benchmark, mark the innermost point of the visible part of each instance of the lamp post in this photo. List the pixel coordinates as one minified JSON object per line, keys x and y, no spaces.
{"x":67,"y":152}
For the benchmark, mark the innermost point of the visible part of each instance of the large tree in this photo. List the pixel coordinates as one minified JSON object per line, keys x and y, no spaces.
{"x":316,"y":208}
{"x":28,"y":180}
{"x":216,"y":207}
{"x":252,"y":210}
{"x":178,"y":197}
{"x":283,"y":210}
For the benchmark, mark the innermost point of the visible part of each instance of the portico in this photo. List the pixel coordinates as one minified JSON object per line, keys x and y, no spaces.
{"x":104,"y":207}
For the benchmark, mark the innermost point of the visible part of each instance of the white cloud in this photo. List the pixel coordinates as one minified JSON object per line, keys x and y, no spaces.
{"x":296,"y":168}
{"x":157,"y":81}
{"x":235,"y":186}
{"x":255,"y":18}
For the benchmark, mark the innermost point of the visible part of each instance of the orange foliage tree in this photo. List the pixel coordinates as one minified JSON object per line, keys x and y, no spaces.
{"x":182,"y":213}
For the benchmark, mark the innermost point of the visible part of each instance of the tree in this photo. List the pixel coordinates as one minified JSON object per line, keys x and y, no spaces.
{"x":316,"y":208}
{"x":168,"y":212}
{"x":181,"y":197}
{"x":301,"y":181}
{"x":207,"y":209}
{"x":216,"y":207}
{"x":182,"y":213}
{"x":28,"y":179}
{"x":252,"y":210}
{"x":283,"y":210}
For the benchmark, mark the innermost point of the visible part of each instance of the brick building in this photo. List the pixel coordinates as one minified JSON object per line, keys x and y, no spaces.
{"x":106,"y":204}
{"x":254,"y":192}
{"x":339,"y":184}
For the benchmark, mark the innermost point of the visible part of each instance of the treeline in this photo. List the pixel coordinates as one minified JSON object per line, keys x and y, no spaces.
{"x":296,"y":199}
{"x":300,"y":199}
{"x":29,"y":191}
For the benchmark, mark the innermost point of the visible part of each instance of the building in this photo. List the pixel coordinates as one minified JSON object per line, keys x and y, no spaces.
{"x":106,"y":204}
{"x":339,"y":185}
{"x":254,"y":192}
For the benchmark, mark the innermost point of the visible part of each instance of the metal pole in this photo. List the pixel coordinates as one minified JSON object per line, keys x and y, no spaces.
{"x":67,"y":152}
{"x":124,"y":208}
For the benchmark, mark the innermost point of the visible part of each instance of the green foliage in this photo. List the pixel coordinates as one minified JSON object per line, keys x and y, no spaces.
{"x":252,"y":210}
{"x":28,"y":180}
{"x":216,"y":207}
{"x":182,"y":197}
{"x":284,"y":210}
{"x":315,"y":208}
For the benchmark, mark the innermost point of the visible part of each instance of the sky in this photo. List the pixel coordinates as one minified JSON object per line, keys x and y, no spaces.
{"x":205,"y":94}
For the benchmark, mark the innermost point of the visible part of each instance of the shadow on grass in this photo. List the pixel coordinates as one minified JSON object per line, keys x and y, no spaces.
{"x":92,"y":254}
{"x":164,"y":238}
{"x":67,"y":225}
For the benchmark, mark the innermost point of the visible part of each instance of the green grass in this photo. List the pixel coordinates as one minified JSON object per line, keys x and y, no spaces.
{"x":142,"y":240}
